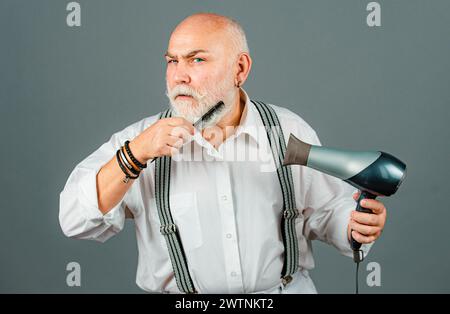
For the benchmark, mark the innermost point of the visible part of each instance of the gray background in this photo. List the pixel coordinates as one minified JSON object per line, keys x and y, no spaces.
{"x":65,"y":90}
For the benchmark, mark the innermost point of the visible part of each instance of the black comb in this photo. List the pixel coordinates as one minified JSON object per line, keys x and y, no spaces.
{"x":208,"y":114}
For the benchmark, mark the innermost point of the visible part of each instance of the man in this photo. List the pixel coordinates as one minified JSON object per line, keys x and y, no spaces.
{"x":227,"y":211}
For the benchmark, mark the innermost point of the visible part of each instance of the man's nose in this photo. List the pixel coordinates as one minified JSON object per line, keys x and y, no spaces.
{"x":181,"y":75}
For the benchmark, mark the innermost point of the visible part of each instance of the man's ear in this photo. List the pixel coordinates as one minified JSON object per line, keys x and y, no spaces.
{"x":244,"y":64}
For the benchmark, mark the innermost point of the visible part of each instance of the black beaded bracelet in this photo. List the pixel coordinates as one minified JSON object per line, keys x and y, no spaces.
{"x":126,"y":162}
{"x":133,"y":159}
{"x":124,"y":170}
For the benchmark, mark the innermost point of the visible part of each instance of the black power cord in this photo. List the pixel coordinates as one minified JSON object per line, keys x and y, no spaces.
{"x":357,"y":271}
{"x":358,"y":257}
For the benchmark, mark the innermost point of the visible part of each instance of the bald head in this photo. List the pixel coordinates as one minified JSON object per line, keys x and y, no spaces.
{"x":225,"y":29}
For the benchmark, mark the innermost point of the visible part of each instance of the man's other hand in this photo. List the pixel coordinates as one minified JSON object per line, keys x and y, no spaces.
{"x":365,"y":227}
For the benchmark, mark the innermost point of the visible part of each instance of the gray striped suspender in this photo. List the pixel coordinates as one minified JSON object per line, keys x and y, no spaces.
{"x":168,"y":227}
{"x":290,"y":212}
{"x":170,"y":230}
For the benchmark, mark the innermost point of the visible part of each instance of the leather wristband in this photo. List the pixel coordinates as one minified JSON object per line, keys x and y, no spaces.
{"x":133,"y":159}
{"x":124,"y":170}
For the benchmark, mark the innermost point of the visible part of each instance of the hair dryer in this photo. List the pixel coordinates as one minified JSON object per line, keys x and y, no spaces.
{"x":374,"y":173}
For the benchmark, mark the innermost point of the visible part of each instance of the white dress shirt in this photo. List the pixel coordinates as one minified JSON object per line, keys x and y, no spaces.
{"x":227,"y":206}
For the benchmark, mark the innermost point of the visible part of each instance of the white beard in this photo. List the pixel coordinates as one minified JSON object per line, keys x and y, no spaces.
{"x":213,"y":93}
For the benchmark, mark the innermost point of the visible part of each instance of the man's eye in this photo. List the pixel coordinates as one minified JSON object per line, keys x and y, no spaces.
{"x":196,"y":60}
{"x":172,"y":61}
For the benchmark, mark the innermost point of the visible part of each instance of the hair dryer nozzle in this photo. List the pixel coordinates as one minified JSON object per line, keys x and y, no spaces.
{"x":297,"y":152}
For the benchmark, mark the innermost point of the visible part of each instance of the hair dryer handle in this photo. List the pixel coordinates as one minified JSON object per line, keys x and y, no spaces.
{"x":363,"y":194}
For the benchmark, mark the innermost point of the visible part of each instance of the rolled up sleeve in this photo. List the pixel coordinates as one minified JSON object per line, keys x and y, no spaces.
{"x":79,"y":213}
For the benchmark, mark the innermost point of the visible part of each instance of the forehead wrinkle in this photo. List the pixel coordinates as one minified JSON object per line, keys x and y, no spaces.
{"x":187,"y":55}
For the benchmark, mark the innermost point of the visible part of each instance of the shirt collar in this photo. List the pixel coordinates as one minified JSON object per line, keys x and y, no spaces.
{"x":249,"y":122}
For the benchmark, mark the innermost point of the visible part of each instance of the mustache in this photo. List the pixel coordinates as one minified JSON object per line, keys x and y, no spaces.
{"x":184,"y":90}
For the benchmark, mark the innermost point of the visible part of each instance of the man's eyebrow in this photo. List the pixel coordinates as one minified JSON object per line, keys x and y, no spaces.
{"x":188,"y":55}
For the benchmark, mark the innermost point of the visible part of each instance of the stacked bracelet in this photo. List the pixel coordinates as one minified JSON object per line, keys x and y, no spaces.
{"x":133,"y":159}
{"x":124,"y":169}
{"x":127,"y":163}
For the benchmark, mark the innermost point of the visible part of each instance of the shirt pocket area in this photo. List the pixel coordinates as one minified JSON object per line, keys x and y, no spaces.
{"x":185,"y":215}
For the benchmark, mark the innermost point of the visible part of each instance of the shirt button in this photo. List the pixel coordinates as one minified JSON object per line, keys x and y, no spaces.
{"x":228,"y":235}
{"x":233,"y":274}
{"x":224,"y":198}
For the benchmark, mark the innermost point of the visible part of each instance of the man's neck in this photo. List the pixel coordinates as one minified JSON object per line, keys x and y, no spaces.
{"x":233,"y":118}
{"x":228,"y":124}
